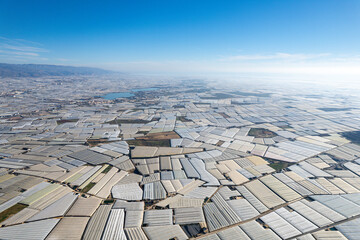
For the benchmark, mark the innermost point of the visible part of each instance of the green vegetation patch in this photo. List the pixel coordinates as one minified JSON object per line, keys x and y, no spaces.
{"x":109,"y":201}
{"x":107,"y":169}
{"x":150,"y":143}
{"x":278,"y":166}
{"x":88,"y":187}
{"x":353,"y":136}
{"x":120,"y":121}
{"x":11,"y":211}
{"x":62,"y":121}
{"x":261,"y":133}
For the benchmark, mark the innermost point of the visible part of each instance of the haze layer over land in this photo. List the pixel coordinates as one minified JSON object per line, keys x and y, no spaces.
{"x":290,"y":40}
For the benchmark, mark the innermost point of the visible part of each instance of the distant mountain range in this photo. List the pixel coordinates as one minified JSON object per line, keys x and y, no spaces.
{"x":42,"y":70}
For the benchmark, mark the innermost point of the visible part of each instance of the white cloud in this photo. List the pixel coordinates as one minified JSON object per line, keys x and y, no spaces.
{"x":20,"y":53}
{"x":276,"y":56}
{"x":22,"y":59}
{"x":19,"y":48}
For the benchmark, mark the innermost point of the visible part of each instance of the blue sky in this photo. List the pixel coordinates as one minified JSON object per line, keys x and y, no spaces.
{"x":280,"y":36}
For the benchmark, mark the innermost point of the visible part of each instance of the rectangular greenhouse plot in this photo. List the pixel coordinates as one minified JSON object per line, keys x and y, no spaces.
{"x":264,"y":194}
{"x":69,"y":228}
{"x":105,"y":191}
{"x":29,"y":231}
{"x":101,"y":183}
{"x":84,"y":207}
{"x":97,"y":223}
{"x":279,"y":225}
{"x":144,"y":152}
{"x":280,"y":188}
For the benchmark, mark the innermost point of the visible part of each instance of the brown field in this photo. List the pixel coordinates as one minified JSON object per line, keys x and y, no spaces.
{"x":183,"y":119}
{"x":261,"y":133}
{"x":150,"y":143}
{"x":96,"y":141}
{"x":160,"y":136}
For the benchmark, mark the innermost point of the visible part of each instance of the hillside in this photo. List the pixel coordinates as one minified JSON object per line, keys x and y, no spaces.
{"x":40,"y":70}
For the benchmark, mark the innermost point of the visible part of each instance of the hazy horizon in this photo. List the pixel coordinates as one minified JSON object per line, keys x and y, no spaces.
{"x":268,"y":39}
